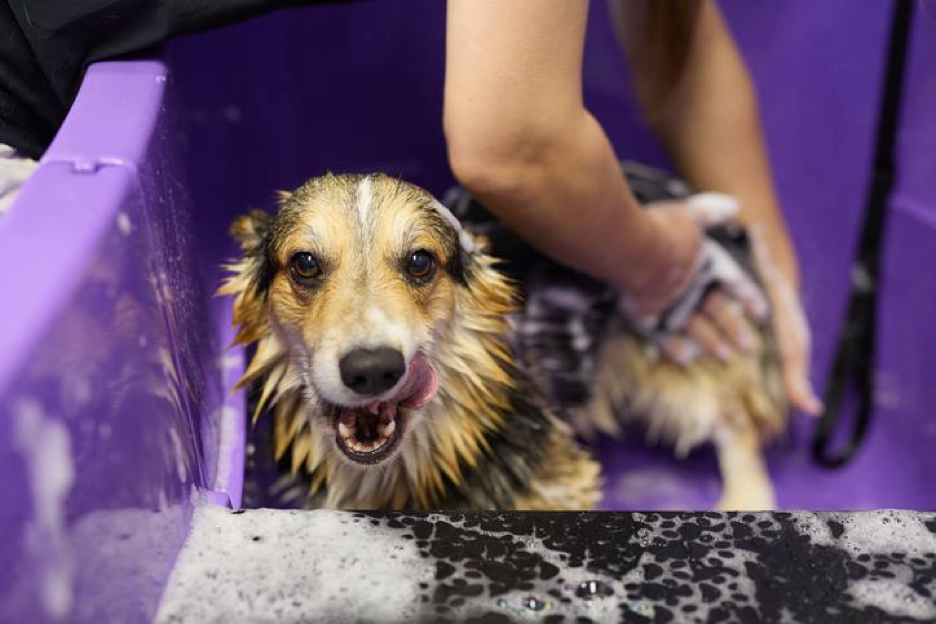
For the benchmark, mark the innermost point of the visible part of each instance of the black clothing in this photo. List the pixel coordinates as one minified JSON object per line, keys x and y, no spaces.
{"x":45,"y":46}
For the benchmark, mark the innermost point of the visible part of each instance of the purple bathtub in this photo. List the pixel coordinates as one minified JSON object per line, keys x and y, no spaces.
{"x":116,"y":407}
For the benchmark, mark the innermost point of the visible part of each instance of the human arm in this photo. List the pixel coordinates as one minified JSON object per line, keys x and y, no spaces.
{"x":707,"y":117}
{"x":521,"y":140}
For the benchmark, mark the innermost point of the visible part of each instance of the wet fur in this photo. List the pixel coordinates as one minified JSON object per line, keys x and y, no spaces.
{"x":488,"y":439}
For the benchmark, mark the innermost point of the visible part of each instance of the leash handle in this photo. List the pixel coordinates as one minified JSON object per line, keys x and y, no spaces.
{"x":853,"y":366}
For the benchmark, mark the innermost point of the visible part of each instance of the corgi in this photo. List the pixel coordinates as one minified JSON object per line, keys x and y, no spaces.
{"x":402,"y":369}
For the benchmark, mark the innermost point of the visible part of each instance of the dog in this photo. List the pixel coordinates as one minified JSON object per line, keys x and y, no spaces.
{"x":401,"y":370}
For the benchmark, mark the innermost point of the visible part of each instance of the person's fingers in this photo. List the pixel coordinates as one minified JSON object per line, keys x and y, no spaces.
{"x":681,"y":349}
{"x":793,"y":341}
{"x":713,"y":208}
{"x":726,"y":315}
{"x":796,"y":380}
{"x":735,"y":281}
{"x":746,"y":292}
{"x":703,"y":331}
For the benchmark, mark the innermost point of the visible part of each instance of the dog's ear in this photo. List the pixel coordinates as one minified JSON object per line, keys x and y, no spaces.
{"x":252,"y":275}
{"x":465,"y":261}
{"x":467,"y":245}
{"x":479,"y":242}
{"x":251,"y":231}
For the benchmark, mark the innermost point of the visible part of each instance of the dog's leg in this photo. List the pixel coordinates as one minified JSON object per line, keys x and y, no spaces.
{"x":746,"y":484}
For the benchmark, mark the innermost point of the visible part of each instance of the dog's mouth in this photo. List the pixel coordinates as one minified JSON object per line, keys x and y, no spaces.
{"x":369,"y":434}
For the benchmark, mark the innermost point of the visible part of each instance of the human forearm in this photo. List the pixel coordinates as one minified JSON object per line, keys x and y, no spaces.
{"x":708,"y":120}
{"x":711,"y":128}
{"x":520,"y":139}
{"x":566,"y":190}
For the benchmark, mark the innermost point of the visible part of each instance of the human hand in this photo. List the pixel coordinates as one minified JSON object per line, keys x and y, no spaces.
{"x":790,"y":328}
{"x":719,"y":324}
{"x":703,"y":298}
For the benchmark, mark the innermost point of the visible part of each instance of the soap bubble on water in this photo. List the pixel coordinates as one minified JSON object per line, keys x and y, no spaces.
{"x":533,"y":603}
{"x":589,"y":590}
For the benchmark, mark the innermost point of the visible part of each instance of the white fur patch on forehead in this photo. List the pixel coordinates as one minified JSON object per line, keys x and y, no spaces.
{"x":467,"y":243}
{"x":363,"y":200}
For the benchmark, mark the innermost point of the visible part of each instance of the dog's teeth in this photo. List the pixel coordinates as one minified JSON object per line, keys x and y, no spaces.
{"x":349,"y":435}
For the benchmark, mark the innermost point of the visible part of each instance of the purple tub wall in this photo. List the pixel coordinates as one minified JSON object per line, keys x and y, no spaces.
{"x":113,"y":409}
{"x":111,"y":351}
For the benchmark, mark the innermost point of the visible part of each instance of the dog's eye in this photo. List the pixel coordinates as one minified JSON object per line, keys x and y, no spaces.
{"x":421,"y":265}
{"x":304,"y":267}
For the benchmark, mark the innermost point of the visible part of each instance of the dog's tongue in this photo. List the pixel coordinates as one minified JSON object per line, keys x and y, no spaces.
{"x":422,"y":384}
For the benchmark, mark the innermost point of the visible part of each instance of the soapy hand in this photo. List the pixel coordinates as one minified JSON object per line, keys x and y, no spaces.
{"x":703,"y":298}
{"x":790,"y":328}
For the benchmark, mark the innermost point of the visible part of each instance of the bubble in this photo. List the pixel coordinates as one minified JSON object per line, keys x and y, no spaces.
{"x":533,"y":603}
{"x":643,"y":537}
{"x":589,"y":590}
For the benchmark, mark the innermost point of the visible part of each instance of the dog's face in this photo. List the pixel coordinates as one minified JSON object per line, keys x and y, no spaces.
{"x":361,"y":278}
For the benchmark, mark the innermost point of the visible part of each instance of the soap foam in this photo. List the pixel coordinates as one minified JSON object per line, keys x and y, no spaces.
{"x":339,"y":566}
{"x":280,"y":565}
{"x":894,"y":598}
{"x":46,"y":447}
{"x":883,"y":532}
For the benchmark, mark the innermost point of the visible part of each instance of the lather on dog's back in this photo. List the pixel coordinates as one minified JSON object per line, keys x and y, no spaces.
{"x":385,"y":355}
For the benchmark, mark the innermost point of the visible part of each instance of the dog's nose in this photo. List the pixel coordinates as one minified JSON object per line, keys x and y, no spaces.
{"x":372,"y":371}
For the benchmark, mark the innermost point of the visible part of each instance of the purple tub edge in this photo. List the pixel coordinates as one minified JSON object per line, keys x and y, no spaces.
{"x":112,"y":350}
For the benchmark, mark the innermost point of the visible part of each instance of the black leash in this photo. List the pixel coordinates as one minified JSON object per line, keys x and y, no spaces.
{"x":853,"y":366}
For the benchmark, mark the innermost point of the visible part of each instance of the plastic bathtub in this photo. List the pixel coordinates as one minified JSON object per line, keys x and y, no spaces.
{"x":116,"y":408}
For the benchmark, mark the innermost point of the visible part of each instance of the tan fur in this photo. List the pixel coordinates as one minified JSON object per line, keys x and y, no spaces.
{"x":358,"y":229}
{"x":569,"y":481}
{"x":739,"y":406}
{"x":461,"y":330}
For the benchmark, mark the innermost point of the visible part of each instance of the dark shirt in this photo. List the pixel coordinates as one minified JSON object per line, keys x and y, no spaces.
{"x":46,"y":45}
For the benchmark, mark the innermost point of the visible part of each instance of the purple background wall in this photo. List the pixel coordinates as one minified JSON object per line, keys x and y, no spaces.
{"x":110,"y":349}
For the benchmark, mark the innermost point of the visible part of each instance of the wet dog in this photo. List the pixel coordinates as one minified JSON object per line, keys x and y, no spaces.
{"x":401,"y":371}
